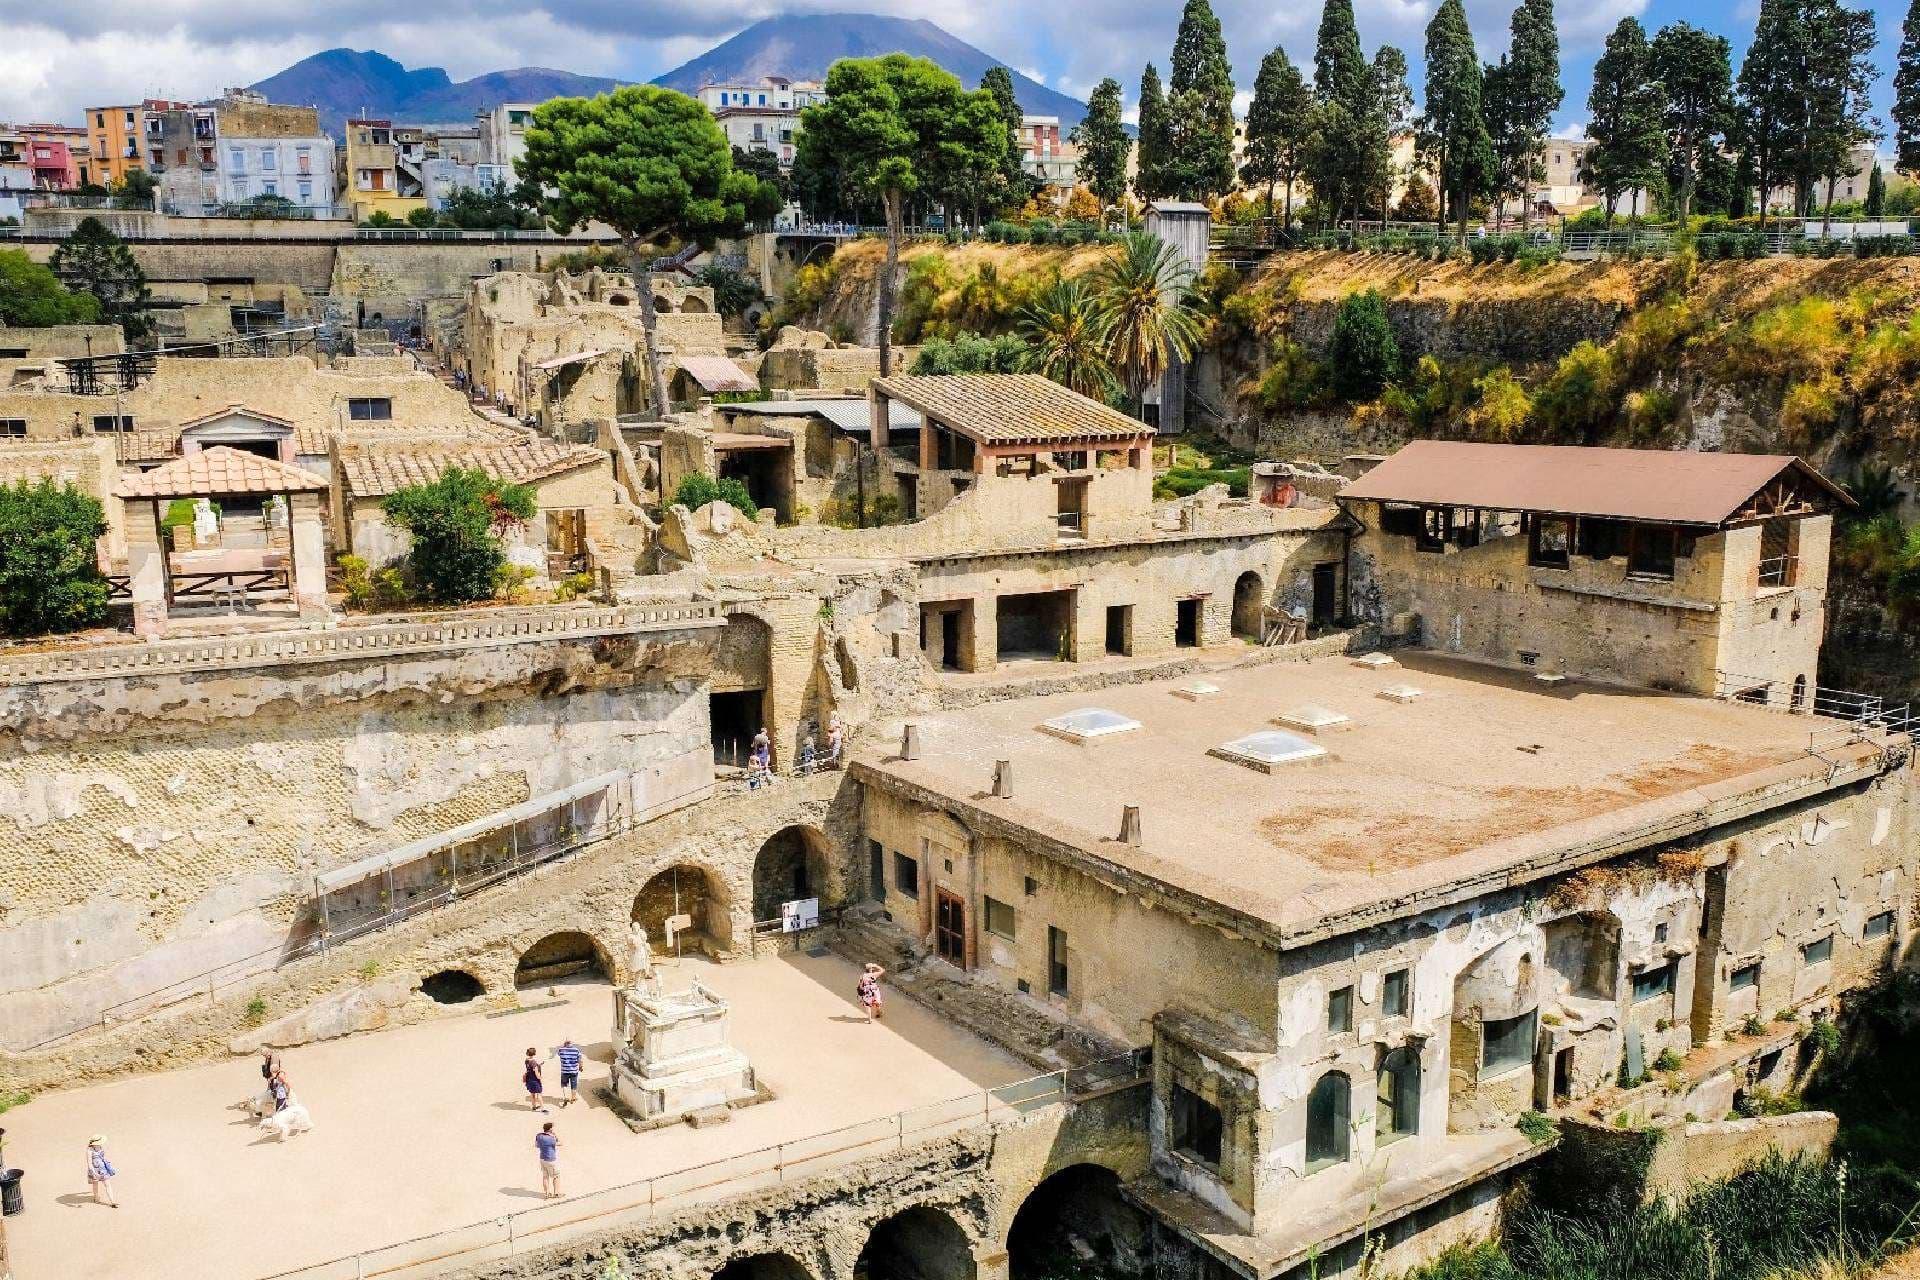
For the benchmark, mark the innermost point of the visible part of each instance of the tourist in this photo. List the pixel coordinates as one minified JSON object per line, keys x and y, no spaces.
{"x":269,"y":1065}
{"x":569,"y":1055}
{"x":869,"y":989}
{"x":282,"y":1092}
{"x":530,"y":1076}
{"x":835,"y":737}
{"x":808,"y":754}
{"x":100,"y":1171}
{"x":548,"y":1146}
{"x":762,"y":751}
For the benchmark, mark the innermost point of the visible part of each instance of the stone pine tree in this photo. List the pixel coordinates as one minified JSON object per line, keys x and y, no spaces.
{"x":1389,"y":112}
{"x":894,"y":126}
{"x":1628,"y":142}
{"x":1279,"y":127}
{"x":1341,"y":90}
{"x":1906,"y":95}
{"x":652,"y":165}
{"x":1840,"y":74}
{"x":95,"y":261}
{"x":1149,"y":174}
{"x":1695,"y":71}
{"x":1200,"y":107}
{"x":998,"y":81}
{"x":1101,"y":137}
{"x":1453,"y":130}
{"x":1772,"y":97}
{"x":1532,"y":94}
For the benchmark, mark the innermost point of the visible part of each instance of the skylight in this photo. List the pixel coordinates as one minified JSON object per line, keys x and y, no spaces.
{"x":1268,"y":750}
{"x":1195,"y":690}
{"x":1087,"y":724}
{"x":1400,"y":693}
{"x":1375,"y":659}
{"x":1314,"y":719}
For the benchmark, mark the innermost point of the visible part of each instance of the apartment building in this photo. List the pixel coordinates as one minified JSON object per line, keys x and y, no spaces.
{"x":400,"y":168}
{"x":241,"y":149}
{"x":503,"y":133}
{"x":125,"y":138}
{"x":762,"y":115}
{"x":56,"y":155}
{"x":1046,"y":154}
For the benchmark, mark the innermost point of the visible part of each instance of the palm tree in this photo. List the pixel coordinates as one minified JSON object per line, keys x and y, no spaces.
{"x":1143,"y":296}
{"x":1065,"y":335}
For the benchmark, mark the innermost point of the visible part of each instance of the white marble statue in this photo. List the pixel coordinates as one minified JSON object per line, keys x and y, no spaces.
{"x":640,"y":959}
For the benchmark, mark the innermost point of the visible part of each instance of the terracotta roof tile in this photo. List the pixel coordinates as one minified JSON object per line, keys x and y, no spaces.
{"x":374,"y":471}
{"x":216,"y":472}
{"x":1011,"y":408}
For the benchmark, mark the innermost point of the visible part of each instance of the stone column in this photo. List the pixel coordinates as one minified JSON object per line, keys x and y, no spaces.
{"x":309,"y":555}
{"x":147,"y":566}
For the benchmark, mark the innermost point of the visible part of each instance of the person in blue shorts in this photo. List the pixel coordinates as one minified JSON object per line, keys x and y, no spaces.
{"x":569,"y":1055}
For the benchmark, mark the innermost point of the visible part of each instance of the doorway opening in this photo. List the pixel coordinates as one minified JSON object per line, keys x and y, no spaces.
{"x":1186,"y":622}
{"x":733,"y":719}
{"x":1120,"y":629}
{"x":1035,"y":625}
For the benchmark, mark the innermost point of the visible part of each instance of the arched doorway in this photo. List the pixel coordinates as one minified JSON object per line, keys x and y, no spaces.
{"x":693,"y":305}
{"x":1329,"y":1108}
{"x":1077,"y":1223}
{"x":452,"y":986}
{"x":685,"y":890}
{"x":791,"y":864}
{"x":661,"y":305}
{"x":763,"y":1266}
{"x":1249,"y":606}
{"x":1397,"y":1099}
{"x":561,"y":956}
{"x":921,"y":1243}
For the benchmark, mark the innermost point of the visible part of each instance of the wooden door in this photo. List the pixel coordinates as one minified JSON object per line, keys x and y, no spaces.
{"x":950,"y":927}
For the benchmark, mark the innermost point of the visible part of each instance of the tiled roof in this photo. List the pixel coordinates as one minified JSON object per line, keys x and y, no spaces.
{"x":216,"y":472}
{"x":1011,"y":408}
{"x":374,"y":470}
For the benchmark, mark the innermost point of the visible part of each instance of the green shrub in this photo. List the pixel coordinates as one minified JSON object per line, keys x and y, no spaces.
{"x":1363,"y":353}
{"x":1538,"y":1126}
{"x":1765,"y":1102}
{"x":1184,"y":482}
{"x":1667,"y":1061}
{"x":356,"y":579}
{"x":697,"y":491}
{"x":50,"y":579}
{"x":458,"y":525}
{"x":970,"y":353}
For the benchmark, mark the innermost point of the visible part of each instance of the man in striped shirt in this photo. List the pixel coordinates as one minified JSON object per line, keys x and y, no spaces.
{"x":569,"y":1055}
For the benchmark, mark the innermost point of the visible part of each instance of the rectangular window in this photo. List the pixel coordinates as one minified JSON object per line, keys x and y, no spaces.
{"x":906,"y":875}
{"x":1657,"y":981}
{"x":1199,"y":1129}
{"x":1602,"y":539}
{"x":1031,"y":886}
{"x":13,"y":428}
{"x":237,"y":160}
{"x":1400,"y":519}
{"x":877,"y":868}
{"x":370,"y":409}
{"x":1650,"y":551}
{"x":1000,"y":919}
{"x":270,"y":188}
{"x":269,"y":159}
{"x":1394,"y":989}
{"x":1659,"y":933}
{"x":306,"y":192}
{"x":1056,"y":961}
{"x":1435,"y":524}
{"x":1746,"y":976}
{"x":108,"y":422}
{"x":1340,"y":1010}
{"x":1549,"y":542}
{"x":1817,"y":952}
{"x":1878,"y":926}
{"x":1507,"y":1043}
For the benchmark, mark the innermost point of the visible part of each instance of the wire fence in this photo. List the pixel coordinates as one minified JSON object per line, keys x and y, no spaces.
{"x":1840,"y":717}
{"x":660,"y":1196}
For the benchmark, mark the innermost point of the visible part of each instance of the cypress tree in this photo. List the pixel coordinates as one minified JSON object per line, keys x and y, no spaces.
{"x":1772,"y":97}
{"x":1339,"y":66}
{"x":1626,"y":108}
{"x":1389,"y":112}
{"x":1839,"y":75}
{"x":1200,"y":107}
{"x":1341,"y":90}
{"x":1149,"y":170}
{"x":1279,"y":124}
{"x":1695,"y":71}
{"x":1102,"y":139}
{"x":1453,"y":130}
{"x":1906,"y":95}
{"x":1531,"y":93}
{"x":1876,"y":193}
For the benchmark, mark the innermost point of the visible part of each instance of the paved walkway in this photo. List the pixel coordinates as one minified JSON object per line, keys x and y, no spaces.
{"x":424,"y":1128}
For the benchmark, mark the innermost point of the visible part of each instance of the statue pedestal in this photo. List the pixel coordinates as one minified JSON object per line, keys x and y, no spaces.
{"x":673,"y":1056}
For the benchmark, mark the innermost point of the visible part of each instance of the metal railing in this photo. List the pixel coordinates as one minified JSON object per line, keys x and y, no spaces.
{"x":1778,"y":571}
{"x":650,"y":1199}
{"x":1841,"y":717}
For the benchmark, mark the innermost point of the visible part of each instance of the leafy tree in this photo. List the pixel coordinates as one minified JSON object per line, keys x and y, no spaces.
{"x":1840,"y":74}
{"x":96,"y":261}
{"x":1772,"y":98}
{"x":765,"y":166}
{"x":895,"y":126}
{"x":1627,"y":110}
{"x":488,"y":209}
{"x":1532,"y":94}
{"x":652,"y":165}
{"x":136,"y":189}
{"x":1506,"y":175}
{"x":1906,"y":95}
{"x":1149,"y":175}
{"x":458,"y":524}
{"x":422,"y":217}
{"x":1144,"y":298}
{"x":733,"y":291}
{"x":1342,"y":91}
{"x":1279,"y":128}
{"x":1715,"y":185}
{"x":1876,"y":193}
{"x":1016,"y":186}
{"x":970,"y":353}
{"x":1695,"y":71}
{"x":1363,"y":354}
{"x":1065,"y":335}
{"x":1417,"y":202}
{"x":1101,"y":137}
{"x":1453,"y":131}
{"x":50,"y":576}
{"x":32,"y":297}
{"x":1200,"y":107}
{"x":1389,"y":113}
{"x":696,"y":491}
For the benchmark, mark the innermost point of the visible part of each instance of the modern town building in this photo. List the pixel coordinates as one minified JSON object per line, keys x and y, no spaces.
{"x":125,"y":138}
{"x":762,"y":115}
{"x":244,"y":150}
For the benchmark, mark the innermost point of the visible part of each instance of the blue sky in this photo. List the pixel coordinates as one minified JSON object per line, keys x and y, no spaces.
{"x":57,"y":59}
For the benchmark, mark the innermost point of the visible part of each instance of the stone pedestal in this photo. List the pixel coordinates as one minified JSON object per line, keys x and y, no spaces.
{"x":673,"y":1057}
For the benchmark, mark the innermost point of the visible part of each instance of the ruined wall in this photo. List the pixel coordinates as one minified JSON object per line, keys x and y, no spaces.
{"x":160,"y":826}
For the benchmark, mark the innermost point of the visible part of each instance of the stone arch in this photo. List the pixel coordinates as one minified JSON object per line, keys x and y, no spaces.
{"x":662,"y":305}
{"x":452,"y":986}
{"x":569,"y":953}
{"x":686,"y":888}
{"x":619,"y":300}
{"x":1077,"y":1222}
{"x":1329,"y":1120}
{"x":921,"y":1243}
{"x":764,"y":1266}
{"x":1798,"y":700}
{"x":1249,"y":605}
{"x":792,"y":863}
{"x":1396,"y":1101}
{"x":694,"y":305}
{"x":1493,"y":1034}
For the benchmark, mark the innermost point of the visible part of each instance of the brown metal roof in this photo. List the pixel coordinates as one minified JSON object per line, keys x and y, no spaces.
{"x":218,"y":472}
{"x":1011,"y":408}
{"x":717,"y":373}
{"x":1655,"y":485}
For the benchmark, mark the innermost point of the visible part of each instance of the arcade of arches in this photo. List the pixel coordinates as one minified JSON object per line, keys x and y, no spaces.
{"x":562,"y":955}
{"x":921,"y":1243}
{"x":1077,"y":1223}
{"x":763,"y":1266}
{"x":791,"y":864}
{"x":686,"y":890}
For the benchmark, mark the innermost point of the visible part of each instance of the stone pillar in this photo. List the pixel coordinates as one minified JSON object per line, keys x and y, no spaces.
{"x":309,"y":555}
{"x":147,"y":566}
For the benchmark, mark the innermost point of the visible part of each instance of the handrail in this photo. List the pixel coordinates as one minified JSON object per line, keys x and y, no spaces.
{"x":747,"y":1171}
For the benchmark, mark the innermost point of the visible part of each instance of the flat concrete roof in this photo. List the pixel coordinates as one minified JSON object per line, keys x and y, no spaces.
{"x":1486,"y":779}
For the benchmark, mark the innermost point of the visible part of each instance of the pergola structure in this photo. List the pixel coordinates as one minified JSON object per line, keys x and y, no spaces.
{"x":220,"y":472}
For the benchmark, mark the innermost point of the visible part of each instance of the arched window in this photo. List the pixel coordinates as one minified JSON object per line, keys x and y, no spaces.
{"x":1397,"y":1105}
{"x":1799,"y":693}
{"x":1328,"y":1109}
